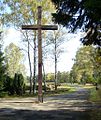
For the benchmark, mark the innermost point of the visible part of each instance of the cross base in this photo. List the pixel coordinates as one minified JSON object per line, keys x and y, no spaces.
{"x":40,"y":98}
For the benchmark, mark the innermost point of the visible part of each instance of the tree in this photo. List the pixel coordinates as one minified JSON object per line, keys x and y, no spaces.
{"x":97,"y":65}
{"x":80,"y":14}
{"x":2,"y":69}
{"x":14,"y":60}
{"x":63,"y":77}
{"x":83,"y":68}
{"x":8,"y":85}
{"x":18,"y":84}
{"x":2,"y":65}
{"x":50,"y":77}
{"x":56,"y":39}
{"x":73,"y":75}
{"x":25,"y":12}
{"x":2,"y":57}
{"x":15,"y":84}
{"x":27,"y":39}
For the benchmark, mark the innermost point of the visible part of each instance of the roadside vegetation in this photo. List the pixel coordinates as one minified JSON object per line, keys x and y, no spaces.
{"x":95,"y":95}
{"x":87,"y":62}
{"x":86,"y":71}
{"x":64,"y":88}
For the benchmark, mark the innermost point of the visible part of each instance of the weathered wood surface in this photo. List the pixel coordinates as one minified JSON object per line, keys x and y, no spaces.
{"x":42,"y":27}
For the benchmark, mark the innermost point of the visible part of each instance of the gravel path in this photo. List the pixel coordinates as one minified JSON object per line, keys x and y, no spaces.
{"x":73,"y":106}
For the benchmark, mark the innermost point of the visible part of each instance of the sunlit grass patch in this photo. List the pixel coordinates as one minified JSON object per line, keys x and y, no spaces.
{"x":88,"y":86}
{"x":63,"y":89}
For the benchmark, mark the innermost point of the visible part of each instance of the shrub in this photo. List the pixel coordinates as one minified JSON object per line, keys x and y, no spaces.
{"x":19,"y":85}
{"x":8,"y":85}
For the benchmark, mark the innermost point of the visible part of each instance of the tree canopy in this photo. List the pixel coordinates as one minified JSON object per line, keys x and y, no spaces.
{"x":14,"y":60}
{"x":2,"y":66}
{"x":19,"y":12}
{"x":80,"y":14}
{"x":87,"y":66}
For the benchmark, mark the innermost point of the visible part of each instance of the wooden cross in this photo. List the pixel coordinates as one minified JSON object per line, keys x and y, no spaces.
{"x":39,"y":27}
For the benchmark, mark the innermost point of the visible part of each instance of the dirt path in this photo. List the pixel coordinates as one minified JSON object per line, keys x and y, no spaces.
{"x":73,"y":106}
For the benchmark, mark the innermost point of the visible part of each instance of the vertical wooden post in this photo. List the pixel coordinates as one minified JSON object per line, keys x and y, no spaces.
{"x":40,"y":96}
{"x":39,"y":27}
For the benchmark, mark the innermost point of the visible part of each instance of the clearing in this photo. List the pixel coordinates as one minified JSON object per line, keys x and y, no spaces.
{"x":72,"y":106}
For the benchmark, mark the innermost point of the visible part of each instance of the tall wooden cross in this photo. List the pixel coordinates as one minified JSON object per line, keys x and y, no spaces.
{"x":39,"y":27}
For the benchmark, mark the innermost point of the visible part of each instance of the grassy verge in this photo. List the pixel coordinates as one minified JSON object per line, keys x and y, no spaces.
{"x":95,"y":95}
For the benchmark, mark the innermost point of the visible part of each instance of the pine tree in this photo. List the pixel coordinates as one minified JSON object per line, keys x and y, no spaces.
{"x":80,"y":14}
{"x":2,"y":68}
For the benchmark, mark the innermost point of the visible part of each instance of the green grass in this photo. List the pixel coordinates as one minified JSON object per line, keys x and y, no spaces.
{"x":4,"y":94}
{"x":88,"y":86}
{"x":95,"y":95}
{"x":63,"y":89}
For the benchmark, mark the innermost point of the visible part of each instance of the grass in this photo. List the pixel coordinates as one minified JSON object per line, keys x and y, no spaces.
{"x":3,"y":94}
{"x":95,"y":95}
{"x":63,"y":89}
{"x":88,"y":86}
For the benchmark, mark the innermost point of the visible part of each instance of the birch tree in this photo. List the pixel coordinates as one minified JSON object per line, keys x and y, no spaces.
{"x":56,"y":39}
{"x":25,"y":12}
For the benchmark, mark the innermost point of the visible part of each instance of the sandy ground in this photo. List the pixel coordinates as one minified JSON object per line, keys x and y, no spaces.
{"x":73,"y":106}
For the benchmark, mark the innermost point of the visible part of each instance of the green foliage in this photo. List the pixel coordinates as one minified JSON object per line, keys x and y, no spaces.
{"x":84,"y":14}
{"x":50,"y":77}
{"x":63,"y":77}
{"x":2,"y":69}
{"x":19,"y":85}
{"x":72,"y":76}
{"x":25,"y":11}
{"x":99,"y":79}
{"x":95,"y":95}
{"x":97,"y":65}
{"x":20,"y":12}
{"x":14,"y":85}
{"x":8,"y":85}
{"x":86,"y":68}
{"x":14,"y":60}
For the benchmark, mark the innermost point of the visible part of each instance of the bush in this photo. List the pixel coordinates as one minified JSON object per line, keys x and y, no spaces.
{"x":8,"y":85}
{"x":15,"y":85}
{"x":19,"y":85}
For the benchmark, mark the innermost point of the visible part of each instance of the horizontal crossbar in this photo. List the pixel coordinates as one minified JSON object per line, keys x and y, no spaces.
{"x":36,"y":27}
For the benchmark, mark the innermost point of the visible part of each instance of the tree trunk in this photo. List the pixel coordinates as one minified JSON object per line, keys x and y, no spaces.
{"x":31,"y":87}
{"x":55,"y":66}
{"x":44,"y":78}
{"x":34,"y":69}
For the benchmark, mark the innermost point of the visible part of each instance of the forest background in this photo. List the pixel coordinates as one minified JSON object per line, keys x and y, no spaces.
{"x":84,"y":68}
